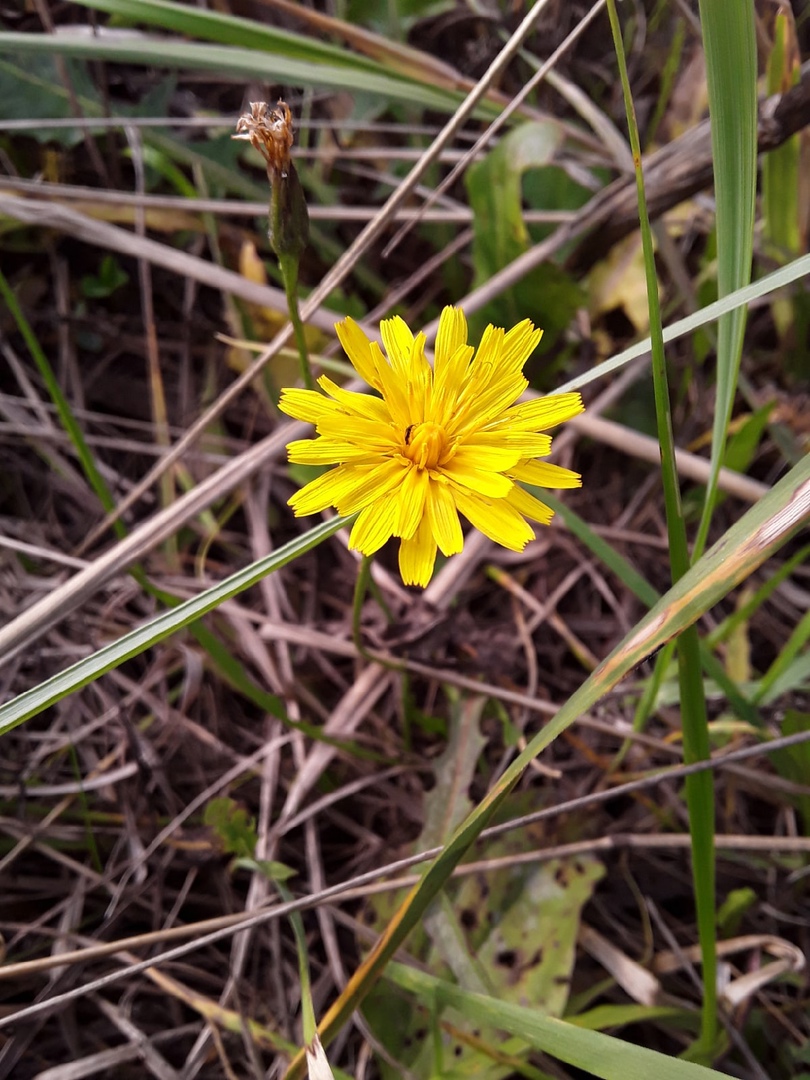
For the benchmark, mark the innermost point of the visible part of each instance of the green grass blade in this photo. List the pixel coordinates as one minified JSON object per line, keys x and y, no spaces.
{"x":694,"y":718}
{"x":789,"y":653}
{"x":194,"y":22}
{"x":753,"y":539}
{"x":729,"y":41}
{"x":641,"y":588}
{"x":598,"y":1054}
{"x":233,"y":61}
{"x":63,"y":410}
{"x":786,"y":275}
{"x":33,"y":701}
{"x":781,"y":186}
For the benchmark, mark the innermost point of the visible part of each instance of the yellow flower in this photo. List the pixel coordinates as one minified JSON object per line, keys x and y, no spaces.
{"x":436,"y":442}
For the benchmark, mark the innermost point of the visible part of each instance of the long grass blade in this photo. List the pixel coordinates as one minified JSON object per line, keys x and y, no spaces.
{"x":61,"y":403}
{"x":729,"y":41}
{"x":593,"y":1051}
{"x":47,"y":693}
{"x":233,"y":60}
{"x":694,"y":719}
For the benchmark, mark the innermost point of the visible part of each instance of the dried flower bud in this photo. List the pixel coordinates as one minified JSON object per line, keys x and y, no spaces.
{"x":271,"y":133}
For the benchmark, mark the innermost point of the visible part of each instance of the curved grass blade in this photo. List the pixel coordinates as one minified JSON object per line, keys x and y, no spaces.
{"x":598,"y":1054}
{"x":24,"y":706}
{"x":232,"y":60}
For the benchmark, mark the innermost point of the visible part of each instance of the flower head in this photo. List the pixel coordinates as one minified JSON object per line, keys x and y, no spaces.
{"x":438,"y":441}
{"x":270,"y":131}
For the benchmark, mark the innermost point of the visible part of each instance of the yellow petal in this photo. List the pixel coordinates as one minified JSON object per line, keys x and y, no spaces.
{"x":497,"y":519}
{"x":451,"y":335}
{"x":398,"y":343}
{"x":483,"y":405}
{"x":380,"y":438}
{"x":305,"y":404}
{"x":394,"y":390}
{"x":325,"y":451}
{"x":374,"y":526}
{"x":475,"y":455}
{"x":528,"y":506}
{"x":368,"y":486}
{"x":519,"y":343}
{"x":358,"y":349}
{"x":492,"y":401}
{"x":314,"y":496}
{"x":443,"y":518}
{"x":411,"y":497}
{"x":527,"y":444}
{"x":447,"y":380}
{"x":352,"y":402}
{"x":493,"y":484}
{"x":544,"y":412}
{"x":544,"y":474}
{"x":417,"y":556}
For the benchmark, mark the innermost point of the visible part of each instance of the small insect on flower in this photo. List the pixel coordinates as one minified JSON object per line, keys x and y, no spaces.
{"x":438,"y":441}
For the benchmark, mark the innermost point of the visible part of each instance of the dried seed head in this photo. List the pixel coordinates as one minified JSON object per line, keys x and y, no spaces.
{"x":270,"y":131}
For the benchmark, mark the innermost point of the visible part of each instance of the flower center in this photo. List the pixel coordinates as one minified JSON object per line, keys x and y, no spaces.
{"x":426,"y":444}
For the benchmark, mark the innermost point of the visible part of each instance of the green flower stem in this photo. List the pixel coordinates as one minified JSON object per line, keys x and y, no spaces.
{"x":366,"y":584}
{"x":288,"y":265}
{"x":361,"y":587}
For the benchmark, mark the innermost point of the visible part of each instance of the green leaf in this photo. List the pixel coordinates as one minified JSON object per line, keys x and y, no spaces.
{"x":729,"y":40}
{"x":732,"y":911}
{"x":110,"y":277}
{"x":268,"y":868}
{"x":234,"y":829}
{"x":34,"y":91}
{"x":744,"y":443}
